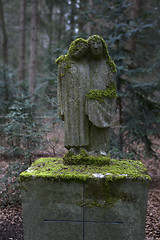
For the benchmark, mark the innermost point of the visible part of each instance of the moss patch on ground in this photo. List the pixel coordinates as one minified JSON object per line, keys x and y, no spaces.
{"x":54,"y":168}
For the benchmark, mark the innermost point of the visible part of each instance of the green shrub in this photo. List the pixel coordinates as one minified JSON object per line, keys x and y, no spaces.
{"x":22,"y":133}
{"x":9,"y":183}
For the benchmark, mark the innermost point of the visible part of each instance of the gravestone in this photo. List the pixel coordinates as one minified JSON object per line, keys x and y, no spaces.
{"x":86,"y":195}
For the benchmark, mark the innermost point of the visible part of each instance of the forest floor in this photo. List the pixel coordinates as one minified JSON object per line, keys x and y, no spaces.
{"x":11,"y":222}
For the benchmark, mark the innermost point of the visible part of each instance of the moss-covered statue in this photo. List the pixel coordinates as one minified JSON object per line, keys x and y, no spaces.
{"x":87,"y":95}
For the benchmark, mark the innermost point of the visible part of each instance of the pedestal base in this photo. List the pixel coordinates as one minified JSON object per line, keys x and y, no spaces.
{"x":91,"y":208}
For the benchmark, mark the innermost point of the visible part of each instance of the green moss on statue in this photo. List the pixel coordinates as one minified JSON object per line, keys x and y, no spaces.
{"x":75,"y":49}
{"x":103,"y":182}
{"x":54,"y":168}
{"x":105,"y":195}
{"x":108,"y":58}
{"x":64,"y":61}
{"x":79,"y":44}
{"x":110,"y":92}
{"x":85,"y":159}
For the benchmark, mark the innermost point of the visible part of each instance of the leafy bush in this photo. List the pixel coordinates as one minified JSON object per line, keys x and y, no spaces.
{"x":142,"y":115}
{"x":21,"y":134}
{"x":9,"y":183}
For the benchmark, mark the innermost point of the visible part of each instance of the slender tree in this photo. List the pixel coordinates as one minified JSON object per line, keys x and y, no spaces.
{"x":4,"y":53}
{"x":33,"y":48}
{"x":89,"y":24}
{"x":60,"y":23}
{"x":72,"y":19}
{"x":80,"y":16}
{"x":4,"y":35}
{"x":21,"y":60}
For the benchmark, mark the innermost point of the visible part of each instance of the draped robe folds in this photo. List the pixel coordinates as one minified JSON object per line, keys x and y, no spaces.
{"x":72,"y":89}
{"x":100,"y":113}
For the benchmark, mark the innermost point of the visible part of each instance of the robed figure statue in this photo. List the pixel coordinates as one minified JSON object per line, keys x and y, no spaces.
{"x":87,"y":95}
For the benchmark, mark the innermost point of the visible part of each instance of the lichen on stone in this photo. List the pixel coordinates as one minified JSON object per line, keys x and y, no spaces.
{"x":109,"y":92}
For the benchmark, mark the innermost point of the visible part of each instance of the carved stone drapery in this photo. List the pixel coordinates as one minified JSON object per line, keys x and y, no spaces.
{"x":87,"y":69}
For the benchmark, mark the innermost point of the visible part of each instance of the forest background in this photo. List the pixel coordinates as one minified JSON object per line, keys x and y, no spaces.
{"x":33,"y":34}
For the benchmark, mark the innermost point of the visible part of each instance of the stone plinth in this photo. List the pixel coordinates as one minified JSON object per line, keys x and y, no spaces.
{"x":86,"y":202}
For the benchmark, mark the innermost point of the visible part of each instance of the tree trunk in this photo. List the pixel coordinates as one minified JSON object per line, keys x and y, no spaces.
{"x":81,"y":21}
{"x":134,"y":12}
{"x":33,"y":48}
{"x":50,"y":27}
{"x":72,"y":19}
{"x":4,"y":54}
{"x":49,"y":6}
{"x":120,"y":104}
{"x":60,"y":21}
{"x":21,"y":60}
{"x":89,"y":25}
{"x":4,"y":36}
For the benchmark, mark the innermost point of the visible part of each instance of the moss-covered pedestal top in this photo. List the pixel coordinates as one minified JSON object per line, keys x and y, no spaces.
{"x":55,"y":169}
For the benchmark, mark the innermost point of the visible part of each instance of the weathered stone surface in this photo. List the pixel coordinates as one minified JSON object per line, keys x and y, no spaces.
{"x":125,"y":219}
{"x":84,"y":206}
{"x":73,"y":81}
{"x":44,"y":201}
{"x":87,"y":67}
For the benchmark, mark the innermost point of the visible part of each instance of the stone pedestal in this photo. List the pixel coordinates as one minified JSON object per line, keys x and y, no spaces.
{"x":63,"y":202}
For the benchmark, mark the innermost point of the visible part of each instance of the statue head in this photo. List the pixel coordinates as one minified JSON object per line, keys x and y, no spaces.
{"x":78,"y":48}
{"x":96,"y":46}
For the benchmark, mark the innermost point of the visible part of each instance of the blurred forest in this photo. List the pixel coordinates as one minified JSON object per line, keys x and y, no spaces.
{"x":34,"y":33}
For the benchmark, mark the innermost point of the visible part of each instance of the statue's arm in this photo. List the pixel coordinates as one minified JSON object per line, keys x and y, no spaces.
{"x":114,"y":78}
{"x":111,"y":77}
{"x":60,"y":93}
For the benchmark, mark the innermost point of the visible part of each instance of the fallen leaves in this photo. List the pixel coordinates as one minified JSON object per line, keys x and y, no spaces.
{"x":153,"y":212}
{"x":11,"y":225}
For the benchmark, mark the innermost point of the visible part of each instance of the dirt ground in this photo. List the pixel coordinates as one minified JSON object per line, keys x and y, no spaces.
{"x":11,"y":222}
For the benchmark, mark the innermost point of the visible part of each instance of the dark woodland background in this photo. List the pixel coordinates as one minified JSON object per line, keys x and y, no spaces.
{"x":32,"y":35}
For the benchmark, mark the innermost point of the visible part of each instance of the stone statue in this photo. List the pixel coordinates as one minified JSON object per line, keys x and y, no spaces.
{"x":102,"y":81}
{"x":73,"y":78}
{"x":87,"y":95}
